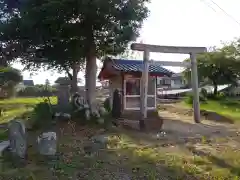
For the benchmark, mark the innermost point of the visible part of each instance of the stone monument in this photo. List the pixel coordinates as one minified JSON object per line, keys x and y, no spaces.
{"x":17,"y":138}
{"x":63,"y":95}
{"x":47,"y":143}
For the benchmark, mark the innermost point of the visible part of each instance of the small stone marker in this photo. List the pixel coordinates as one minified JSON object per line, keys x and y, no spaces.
{"x":87,"y":114}
{"x":97,"y":142}
{"x":100,"y":138}
{"x":17,"y":138}
{"x":100,"y":141}
{"x":47,"y":143}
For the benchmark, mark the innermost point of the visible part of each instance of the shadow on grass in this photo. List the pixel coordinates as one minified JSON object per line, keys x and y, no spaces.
{"x":217,"y":161}
{"x":123,"y":159}
{"x":231,"y":103}
{"x":127,"y":157}
{"x":151,"y":162}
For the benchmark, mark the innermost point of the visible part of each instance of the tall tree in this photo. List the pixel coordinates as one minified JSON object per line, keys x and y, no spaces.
{"x":67,"y":33}
{"x":217,"y":67}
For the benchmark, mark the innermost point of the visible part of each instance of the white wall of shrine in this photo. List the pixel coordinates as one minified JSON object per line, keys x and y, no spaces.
{"x":131,"y":91}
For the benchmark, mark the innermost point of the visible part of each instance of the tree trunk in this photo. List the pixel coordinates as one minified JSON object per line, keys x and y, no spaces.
{"x":215,"y":91}
{"x":90,"y":77}
{"x":3,"y":62}
{"x":74,"y":81}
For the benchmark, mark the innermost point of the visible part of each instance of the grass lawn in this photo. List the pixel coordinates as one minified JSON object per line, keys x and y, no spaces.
{"x":227,"y":107}
{"x":16,"y":107}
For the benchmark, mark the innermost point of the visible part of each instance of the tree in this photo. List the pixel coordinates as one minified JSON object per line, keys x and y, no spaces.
{"x":217,"y":67}
{"x":47,"y":82}
{"x":47,"y":85}
{"x":65,"y":34}
{"x":9,"y":78}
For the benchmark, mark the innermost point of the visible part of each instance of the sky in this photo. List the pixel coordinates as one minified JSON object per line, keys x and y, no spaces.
{"x":178,"y":23}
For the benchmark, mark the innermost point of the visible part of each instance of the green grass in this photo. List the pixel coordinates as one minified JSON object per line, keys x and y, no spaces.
{"x":25,"y":101}
{"x":14,"y":113}
{"x":3,"y":134}
{"x":226,"y":107}
{"x":17,"y":107}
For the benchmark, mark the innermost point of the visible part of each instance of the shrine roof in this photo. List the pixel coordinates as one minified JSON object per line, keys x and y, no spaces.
{"x":131,"y":66}
{"x":137,"y":66}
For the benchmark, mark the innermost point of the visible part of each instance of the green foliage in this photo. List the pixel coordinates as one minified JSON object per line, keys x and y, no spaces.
{"x":204,"y":92}
{"x":189,"y":98}
{"x":36,"y":91}
{"x":9,"y":78}
{"x":106,"y":104}
{"x":61,"y":34}
{"x":222,"y":95}
{"x":66,"y":35}
{"x":3,"y":135}
{"x":42,"y":116}
{"x":220,"y":66}
{"x":218,"y":96}
{"x":9,"y":74}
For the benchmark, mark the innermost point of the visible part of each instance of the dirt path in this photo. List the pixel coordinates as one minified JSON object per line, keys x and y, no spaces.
{"x":182,"y":124}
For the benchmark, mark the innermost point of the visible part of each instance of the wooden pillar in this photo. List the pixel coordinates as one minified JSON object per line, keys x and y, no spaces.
{"x":195,"y":90}
{"x":144,"y":88}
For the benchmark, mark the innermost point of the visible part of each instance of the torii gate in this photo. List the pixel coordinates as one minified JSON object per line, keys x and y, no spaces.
{"x":192,"y":51}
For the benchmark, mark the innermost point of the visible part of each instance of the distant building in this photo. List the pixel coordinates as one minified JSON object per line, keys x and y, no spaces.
{"x":28,"y":83}
{"x":177,"y":81}
{"x":24,"y":83}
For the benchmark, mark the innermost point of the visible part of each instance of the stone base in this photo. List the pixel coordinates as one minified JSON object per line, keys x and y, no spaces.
{"x":149,"y":125}
{"x":131,"y":120}
{"x":154,"y":124}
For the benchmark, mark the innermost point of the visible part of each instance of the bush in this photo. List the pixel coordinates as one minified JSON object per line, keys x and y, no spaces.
{"x":3,"y":135}
{"x":204,"y":92}
{"x":189,"y":99}
{"x":36,"y":91}
{"x":219,"y":96}
{"x":106,"y":104}
{"x":42,"y":116}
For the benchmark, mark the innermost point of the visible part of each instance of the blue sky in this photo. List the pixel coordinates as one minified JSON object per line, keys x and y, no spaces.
{"x":179,"y":23}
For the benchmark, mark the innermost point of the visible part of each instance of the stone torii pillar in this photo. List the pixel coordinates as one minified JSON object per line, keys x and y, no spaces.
{"x":192,"y":51}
